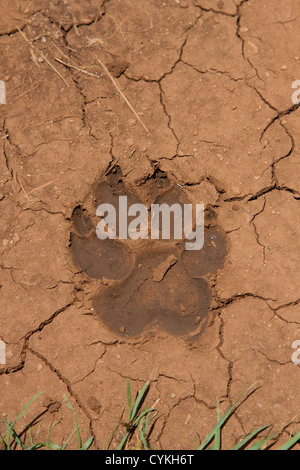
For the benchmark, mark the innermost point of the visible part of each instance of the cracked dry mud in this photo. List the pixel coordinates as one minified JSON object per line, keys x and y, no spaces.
{"x":211,"y":82}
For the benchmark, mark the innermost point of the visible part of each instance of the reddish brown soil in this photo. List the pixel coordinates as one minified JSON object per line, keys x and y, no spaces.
{"x":213,"y":122}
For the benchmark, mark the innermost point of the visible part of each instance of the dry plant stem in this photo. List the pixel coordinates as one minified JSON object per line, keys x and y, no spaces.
{"x":34,"y":48}
{"x":115,"y":83}
{"x":76,"y":68}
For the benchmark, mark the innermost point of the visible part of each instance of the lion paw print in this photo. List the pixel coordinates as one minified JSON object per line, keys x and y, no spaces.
{"x":145,"y":284}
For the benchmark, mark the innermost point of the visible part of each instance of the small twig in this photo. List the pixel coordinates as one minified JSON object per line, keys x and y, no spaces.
{"x":132,"y":153}
{"x":42,"y":186}
{"x":76,"y":68}
{"x":26,"y":92}
{"x":20,"y":183}
{"x":61,"y":52}
{"x":32,"y":47}
{"x":122,"y":94}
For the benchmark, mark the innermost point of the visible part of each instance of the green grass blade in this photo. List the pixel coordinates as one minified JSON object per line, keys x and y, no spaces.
{"x":138,"y":400}
{"x":114,"y":430}
{"x":139,"y":417}
{"x":35,"y":446}
{"x":123,"y":442}
{"x":248,"y":438}
{"x":79,"y":441}
{"x":129,"y":399}
{"x":64,"y":446}
{"x":88,"y":443}
{"x":52,"y":446}
{"x":20,"y":415}
{"x":146,"y":425}
{"x":217,"y":440}
{"x":143,"y":439}
{"x":258,"y":445}
{"x":219,"y":425}
{"x":291,"y":442}
{"x":17,"y":440}
{"x":7,"y":424}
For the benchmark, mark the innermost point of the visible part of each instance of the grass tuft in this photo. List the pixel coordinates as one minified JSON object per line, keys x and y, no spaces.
{"x":140,"y":424}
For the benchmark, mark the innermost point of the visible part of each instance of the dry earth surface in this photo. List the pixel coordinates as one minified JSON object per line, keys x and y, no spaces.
{"x":210,"y":83}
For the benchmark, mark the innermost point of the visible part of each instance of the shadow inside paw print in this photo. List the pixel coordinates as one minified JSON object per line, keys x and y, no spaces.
{"x":145,"y":283}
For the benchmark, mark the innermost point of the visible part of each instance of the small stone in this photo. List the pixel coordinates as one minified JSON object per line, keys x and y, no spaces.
{"x":94,"y":405}
{"x":16,"y":238}
{"x":54,"y":407}
{"x":236,"y":191}
{"x":284,"y":67}
{"x":47,"y":402}
{"x":254,"y":48}
{"x":130,"y":142}
{"x":5,"y":242}
{"x":122,"y":329}
{"x":131,"y":122}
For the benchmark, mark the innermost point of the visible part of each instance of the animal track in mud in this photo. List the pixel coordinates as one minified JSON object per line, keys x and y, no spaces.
{"x":145,"y":283}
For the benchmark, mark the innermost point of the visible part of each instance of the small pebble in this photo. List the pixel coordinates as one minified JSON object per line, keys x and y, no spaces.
{"x":130,"y":142}
{"x":16,"y":238}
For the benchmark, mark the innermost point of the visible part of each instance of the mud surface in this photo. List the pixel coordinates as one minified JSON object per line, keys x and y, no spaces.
{"x":165,"y":101}
{"x":160,"y":281}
